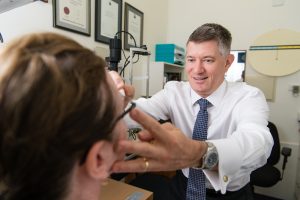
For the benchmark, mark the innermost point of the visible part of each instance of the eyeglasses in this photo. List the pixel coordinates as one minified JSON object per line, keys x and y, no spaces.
{"x":131,"y":105}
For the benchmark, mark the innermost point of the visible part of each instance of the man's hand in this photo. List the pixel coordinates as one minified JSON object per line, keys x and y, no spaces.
{"x":162,"y":147}
{"x":126,"y":90}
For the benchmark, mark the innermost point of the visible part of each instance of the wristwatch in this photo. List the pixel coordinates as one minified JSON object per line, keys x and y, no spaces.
{"x":210,"y":158}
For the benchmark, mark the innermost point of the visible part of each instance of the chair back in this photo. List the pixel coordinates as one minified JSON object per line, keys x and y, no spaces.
{"x":275,"y":153}
{"x":268,"y":175}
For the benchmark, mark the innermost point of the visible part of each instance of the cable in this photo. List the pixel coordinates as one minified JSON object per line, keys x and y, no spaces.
{"x":123,"y":53}
{"x":137,"y":59}
{"x":125,"y":65}
{"x":127,"y":62}
{"x":123,"y":68}
{"x":122,"y":72}
{"x":115,"y":48}
{"x":128,"y":34}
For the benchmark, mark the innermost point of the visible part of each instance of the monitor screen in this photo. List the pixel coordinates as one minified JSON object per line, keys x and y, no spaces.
{"x":236,"y":71}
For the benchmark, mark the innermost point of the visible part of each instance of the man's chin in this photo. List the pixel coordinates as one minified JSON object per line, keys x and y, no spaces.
{"x":200,"y":90}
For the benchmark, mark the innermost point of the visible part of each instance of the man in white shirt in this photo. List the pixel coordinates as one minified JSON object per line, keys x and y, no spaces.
{"x":238,"y":140}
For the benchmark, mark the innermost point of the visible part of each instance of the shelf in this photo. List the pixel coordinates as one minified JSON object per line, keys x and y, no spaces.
{"x":171,"y":65}
{"x":157,"y":71}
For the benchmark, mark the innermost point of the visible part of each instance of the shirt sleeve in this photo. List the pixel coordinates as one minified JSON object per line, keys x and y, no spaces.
{"x":246,"y":147}
{"x":157,"y":106}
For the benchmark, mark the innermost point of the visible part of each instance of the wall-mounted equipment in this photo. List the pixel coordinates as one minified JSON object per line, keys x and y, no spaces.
{"x":169,"y":53}
{"x":295,"y":89}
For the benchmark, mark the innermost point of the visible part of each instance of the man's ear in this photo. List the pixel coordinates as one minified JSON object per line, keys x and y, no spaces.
{"x":99,"y":160}
{"x":229,"y":61}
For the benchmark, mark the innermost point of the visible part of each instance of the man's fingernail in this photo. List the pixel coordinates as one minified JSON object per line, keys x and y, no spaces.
{"x":122,"y":92}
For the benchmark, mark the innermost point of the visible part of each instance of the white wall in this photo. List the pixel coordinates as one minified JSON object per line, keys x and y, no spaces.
{"x":37,"y":17}
{"x":247,"y":20}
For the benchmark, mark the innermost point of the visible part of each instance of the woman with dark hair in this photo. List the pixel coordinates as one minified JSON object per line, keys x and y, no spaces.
{"x":60,"y":121}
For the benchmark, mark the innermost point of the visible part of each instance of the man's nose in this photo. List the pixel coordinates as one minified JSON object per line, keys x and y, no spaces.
{"x":198,"y":68}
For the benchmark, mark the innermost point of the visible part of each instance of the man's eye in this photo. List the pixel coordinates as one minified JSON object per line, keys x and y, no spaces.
{"x":208,"y":60}
{"x":190,"y":60}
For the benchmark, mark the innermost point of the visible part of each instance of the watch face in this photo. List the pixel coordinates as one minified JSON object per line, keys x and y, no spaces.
{"x":212,"y":159}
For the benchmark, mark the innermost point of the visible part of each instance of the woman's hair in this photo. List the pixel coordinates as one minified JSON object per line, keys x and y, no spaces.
{"x":211,"y":31}
{"x":55,"y":102}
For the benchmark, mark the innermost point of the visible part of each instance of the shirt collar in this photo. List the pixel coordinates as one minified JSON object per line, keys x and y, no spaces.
{"x":215,"y":98}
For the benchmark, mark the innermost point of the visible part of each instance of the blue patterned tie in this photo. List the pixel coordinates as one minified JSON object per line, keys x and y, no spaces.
{"x":196,"y":181}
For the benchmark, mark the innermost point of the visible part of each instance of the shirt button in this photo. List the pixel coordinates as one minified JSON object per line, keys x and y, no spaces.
{"x":225,"y":178}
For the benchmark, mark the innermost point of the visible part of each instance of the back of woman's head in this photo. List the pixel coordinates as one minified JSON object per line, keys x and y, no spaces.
{"x":55,"y":102}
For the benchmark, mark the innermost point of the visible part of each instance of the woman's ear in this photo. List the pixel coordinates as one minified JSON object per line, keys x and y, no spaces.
{"x":100,"y":159}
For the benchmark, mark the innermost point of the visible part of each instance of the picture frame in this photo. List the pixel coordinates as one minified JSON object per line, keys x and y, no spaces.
{"x":134,"y":25}
{"x":108,"y":19}
{"x":72,"y":16}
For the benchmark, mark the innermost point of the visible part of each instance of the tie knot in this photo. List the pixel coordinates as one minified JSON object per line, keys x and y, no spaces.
{"x":204,"y":103}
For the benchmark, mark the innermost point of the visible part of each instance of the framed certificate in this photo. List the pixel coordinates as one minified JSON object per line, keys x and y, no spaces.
{"x":73,"y":15}
{"x":134,"y":20}
{"x":108,"y":19}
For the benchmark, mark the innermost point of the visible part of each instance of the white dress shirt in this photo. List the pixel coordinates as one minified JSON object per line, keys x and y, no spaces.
{"x":237,"y":126}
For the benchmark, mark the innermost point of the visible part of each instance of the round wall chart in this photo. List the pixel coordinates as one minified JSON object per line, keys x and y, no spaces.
{"x":276,"y":53}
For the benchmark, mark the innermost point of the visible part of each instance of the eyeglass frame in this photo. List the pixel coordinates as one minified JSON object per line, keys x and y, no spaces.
{"x":125,"y":112}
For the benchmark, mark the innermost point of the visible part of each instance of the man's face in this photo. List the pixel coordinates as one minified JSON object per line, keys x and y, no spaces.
{"x":205,"y":66}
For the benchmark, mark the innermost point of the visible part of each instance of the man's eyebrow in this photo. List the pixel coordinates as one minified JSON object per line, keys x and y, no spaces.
{"x":208,"y":57}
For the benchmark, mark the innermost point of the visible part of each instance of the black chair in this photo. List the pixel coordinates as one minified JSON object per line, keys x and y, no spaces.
{"x":268,"y":175}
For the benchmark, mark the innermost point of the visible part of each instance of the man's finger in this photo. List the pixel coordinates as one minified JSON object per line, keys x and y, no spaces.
{"x":117,"y":79}
{"x":138,"y":165}
{"x":129,"y":91}
{"x":144,"y":135}
{"x":139,"y":148}
{"x":147,"y":122}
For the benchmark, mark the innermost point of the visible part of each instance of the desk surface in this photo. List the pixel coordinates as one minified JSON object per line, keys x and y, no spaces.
{"x":118,"y":190}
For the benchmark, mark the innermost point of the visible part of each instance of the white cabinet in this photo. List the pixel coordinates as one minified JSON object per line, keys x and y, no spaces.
{"x":160,"y":72}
